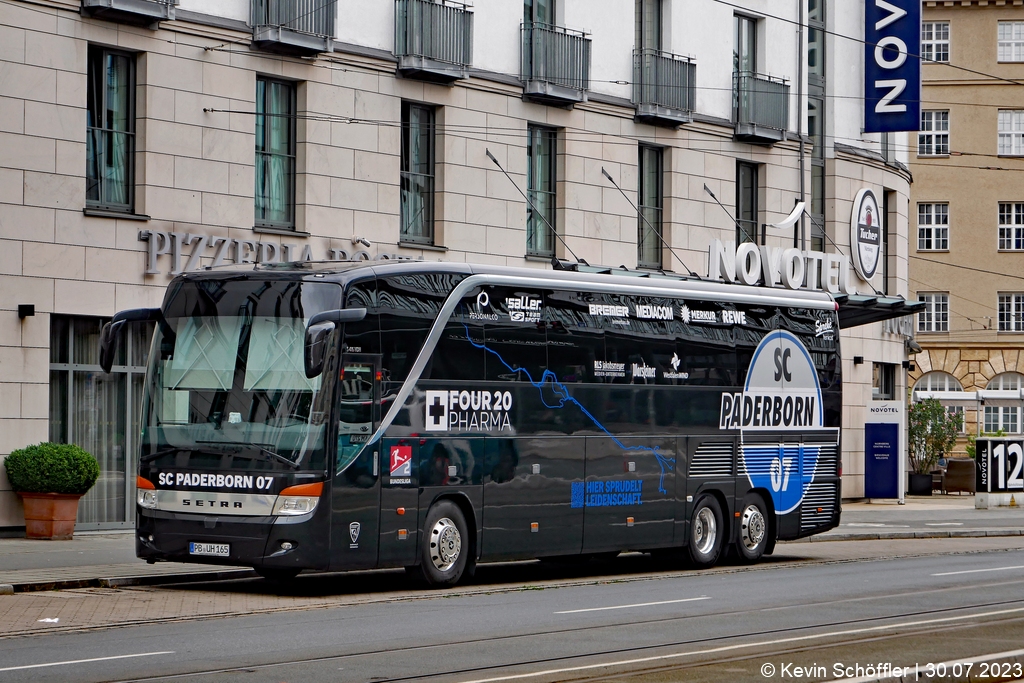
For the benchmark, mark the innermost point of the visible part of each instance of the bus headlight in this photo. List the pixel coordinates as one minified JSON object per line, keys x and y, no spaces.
{"x":298,"y":500}
{"x":295,"y":505}
{"x":147,"y":499}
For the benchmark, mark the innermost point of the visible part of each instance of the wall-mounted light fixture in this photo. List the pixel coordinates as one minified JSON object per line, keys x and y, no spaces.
{"x":26,"y":310}
{"x":858,"y":360}
{"x":908,"y":365}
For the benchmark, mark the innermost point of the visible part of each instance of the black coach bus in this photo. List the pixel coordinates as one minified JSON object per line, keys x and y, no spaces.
{"x":434,"y":415}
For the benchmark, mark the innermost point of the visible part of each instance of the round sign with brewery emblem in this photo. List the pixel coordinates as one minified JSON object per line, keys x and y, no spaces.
{"x":866,"y":234}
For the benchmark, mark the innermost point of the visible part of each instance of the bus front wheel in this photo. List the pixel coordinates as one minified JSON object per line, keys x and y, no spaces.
{"x":706,"y":530}
{"x":753,"y":529}
{"x":444,"y":545}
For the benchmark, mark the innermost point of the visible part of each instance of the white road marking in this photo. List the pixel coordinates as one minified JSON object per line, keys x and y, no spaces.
{"x":979,"y":571}
{"x":745,"y":646}
{"x":85,"y":661}
{"x":639,"y":604}
{"x":875,"y":525}
{"x":948,"y":665}
{"x":943,"y":523}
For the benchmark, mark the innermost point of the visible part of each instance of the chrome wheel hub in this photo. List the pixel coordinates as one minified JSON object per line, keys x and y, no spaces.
{"x":752,"y":527}
{"x":445,"y":544}
{"x":705,"y":531}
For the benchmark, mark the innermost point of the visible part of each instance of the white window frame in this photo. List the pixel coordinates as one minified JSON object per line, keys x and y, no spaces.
{"x":933,"y":138}
{"x":935,"y":316}
{"x":933,"y":226}
{"x":1010,"y":40}
{"x":1011,"y":132}
{"x":1006,"y":418}
{"x":932,"y":46}
{"x":1006,"y":381}
{"x":1010,"y":312}
{"x":1011,"y":226}
{"x":937,"y":380}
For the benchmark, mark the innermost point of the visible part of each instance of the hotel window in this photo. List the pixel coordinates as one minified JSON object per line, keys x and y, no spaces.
{"x":746,"y":202}
{"x":1011,"y":312}
{"x":938,"y":381}
{"x":883,"y":381}
{"x":1011,"y":41}
{"x":933,"y":139}
{"x":1005,"y":418}
{"x":275,"y":154}
{"x":417,"y":205}
{"x":1005,"y":381}
{"x":816,"y":103}
{"x":933,"y":227}
{"x":540,"y":184}
{"x":99,"y":412}
{"x":935,"y":41}
{"x":110,"y":130}
{"x":649,"y":237}
{"x":1011,"y":132}
{"x":1011,"y":226}
{"x":935,"y":316}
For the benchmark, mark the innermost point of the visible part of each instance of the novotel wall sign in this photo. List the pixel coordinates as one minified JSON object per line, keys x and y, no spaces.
{"x":750,"y":264}
{"x":892,"y":66}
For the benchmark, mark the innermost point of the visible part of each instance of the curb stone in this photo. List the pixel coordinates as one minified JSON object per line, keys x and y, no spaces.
{"x":124,"y":581}
{"x":892,"y":535}
{"x":6,"y":589}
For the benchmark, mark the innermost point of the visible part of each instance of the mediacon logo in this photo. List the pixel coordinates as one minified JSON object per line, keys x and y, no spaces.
{"x":782,"y":390}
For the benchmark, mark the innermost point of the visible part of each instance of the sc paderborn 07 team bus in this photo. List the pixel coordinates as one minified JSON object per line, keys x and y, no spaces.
{"x":435,"y":415}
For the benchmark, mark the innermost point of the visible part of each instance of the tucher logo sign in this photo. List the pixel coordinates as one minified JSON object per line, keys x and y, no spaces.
{"x":866,"y":234}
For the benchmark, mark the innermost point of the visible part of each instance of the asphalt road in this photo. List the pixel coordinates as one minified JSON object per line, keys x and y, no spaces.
{"x":718,"y":626}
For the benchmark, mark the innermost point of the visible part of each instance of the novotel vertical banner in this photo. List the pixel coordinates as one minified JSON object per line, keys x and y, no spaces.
{"x":892,"y":65}
{"x":883,"y":452}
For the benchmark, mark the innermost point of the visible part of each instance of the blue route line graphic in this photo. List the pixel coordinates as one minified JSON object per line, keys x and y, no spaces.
{"x":562,"y":392}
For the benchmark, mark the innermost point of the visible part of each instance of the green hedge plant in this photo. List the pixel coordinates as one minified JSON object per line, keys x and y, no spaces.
{"x":52,"y":468}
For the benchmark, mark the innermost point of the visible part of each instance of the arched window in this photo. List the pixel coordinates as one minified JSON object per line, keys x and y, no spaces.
{"x":938,"y":381}
{"x":1007,"y":381}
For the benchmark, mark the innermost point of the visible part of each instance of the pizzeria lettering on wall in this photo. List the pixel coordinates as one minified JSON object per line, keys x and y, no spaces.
{"x":184,"y":251}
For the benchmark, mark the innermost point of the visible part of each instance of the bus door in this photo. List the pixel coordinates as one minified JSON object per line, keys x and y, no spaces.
{"x":355,"y":504}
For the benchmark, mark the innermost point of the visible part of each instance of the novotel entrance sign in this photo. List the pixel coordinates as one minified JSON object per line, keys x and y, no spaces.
{"x":892,"y":67}
{"x":750,"y":264}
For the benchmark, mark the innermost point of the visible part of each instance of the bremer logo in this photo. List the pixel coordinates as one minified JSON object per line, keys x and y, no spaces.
{"x":610,"y":311}
{"x":401,"y":462}
{"x":782,"y":390}
{"x":468,"y":411}
{"x":866,"y":234}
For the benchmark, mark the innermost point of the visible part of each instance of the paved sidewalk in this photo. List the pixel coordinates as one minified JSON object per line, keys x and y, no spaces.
{"x":108,"y":559}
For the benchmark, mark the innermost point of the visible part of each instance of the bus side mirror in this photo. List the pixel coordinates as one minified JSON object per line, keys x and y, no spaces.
{"x":110,"y":336}
{"x":315,"y":351}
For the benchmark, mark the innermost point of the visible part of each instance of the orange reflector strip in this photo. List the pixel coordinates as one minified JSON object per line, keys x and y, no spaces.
{"x":400,"y":511}
{"x":534,"y":526}
{"x":312,"y":490}
{"x":737,"y":514}
{"x":403,"y":534}
{"x":820,"y":509}
{"x":143,"y":483}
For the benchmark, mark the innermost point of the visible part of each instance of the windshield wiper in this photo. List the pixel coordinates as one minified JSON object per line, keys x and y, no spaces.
{"x":274,"y":455}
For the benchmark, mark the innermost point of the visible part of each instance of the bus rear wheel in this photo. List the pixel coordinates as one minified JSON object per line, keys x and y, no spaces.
{"x":706,"y":529}
{"x":444,"y":545}
{"x":753,"y":529}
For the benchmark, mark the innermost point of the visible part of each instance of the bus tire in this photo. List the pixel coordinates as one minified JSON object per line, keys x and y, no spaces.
{"x":444,"y":545}
{"x":754,"y":528}
{"x":706,"y":531}
{"x":277,"y":574}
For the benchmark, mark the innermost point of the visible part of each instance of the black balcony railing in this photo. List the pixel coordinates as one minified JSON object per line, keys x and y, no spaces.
{"x":294,"y":26}
{"x":664,"y":86}
{"x":433,"y":39}
{"x":555,"y":63}
{"x":139,"y":12}
{"x":761,"y":106}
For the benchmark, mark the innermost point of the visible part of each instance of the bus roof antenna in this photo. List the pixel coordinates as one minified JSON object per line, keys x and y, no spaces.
{"x":734,"y":221}
{"x":644,"y":219}
{"x":554,"y":259}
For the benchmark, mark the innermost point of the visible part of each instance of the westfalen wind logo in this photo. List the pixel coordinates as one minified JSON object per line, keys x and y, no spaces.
{"x":675,"y":374}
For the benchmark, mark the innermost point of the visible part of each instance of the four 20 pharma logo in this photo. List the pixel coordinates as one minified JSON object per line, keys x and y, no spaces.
{"x":468,"y":411}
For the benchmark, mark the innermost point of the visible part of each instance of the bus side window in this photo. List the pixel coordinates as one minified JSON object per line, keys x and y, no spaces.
{"x":407,"y":308}
{"x":459,"y":354}
{"x":363,"y":336}
{"x":576,"y":347}
{"x":517,"y":340}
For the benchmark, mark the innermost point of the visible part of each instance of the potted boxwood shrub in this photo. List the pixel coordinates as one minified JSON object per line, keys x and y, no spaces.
{"x":50,"y":478}
{"x":932,"y":434}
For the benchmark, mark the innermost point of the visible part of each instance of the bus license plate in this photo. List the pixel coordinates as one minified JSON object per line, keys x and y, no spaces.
{"x":215,"y":549}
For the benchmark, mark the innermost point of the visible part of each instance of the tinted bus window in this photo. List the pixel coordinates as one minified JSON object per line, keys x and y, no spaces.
{"x":363,"y":336}
{"x":517,"y":340}
{"x":408,"y":306}
{"x":459,"y":354}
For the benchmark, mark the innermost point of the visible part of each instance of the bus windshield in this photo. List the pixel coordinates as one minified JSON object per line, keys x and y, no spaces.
{"x":226,"y":385}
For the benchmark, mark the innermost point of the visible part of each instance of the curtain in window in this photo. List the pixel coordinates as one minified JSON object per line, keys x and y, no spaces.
{"x":99,"y":412}
{"x":109,"y":134}
{"x":275,"y":152}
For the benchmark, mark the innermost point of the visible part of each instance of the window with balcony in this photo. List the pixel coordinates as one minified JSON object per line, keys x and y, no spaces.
{"x":664,"y":84}
{"x":138,"y":12}
{"x":541,"y":179}
{"x":933,"y":227}
{"x":417,"y":205}
{"x":746,"y":202}
{"x":933,"y":138}
{"x":1011,"y":41}
{"x":433,"y":39}
{"x":275,"y":154}
{"x":555,"y":61}
{"x":935,"y":41}
{"x":1011,"y":132}
{"x":649,"y":239}
{"x":298,"y":27}
{"x":935,"y":316}
{"x":1011,"y":312}
{"x":1011,"y":226}
{"x":110,"y":130}
{"x":760,"y":102}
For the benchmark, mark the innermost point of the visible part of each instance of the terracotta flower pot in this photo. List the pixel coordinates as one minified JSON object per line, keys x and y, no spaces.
{"x":50,"y":515}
